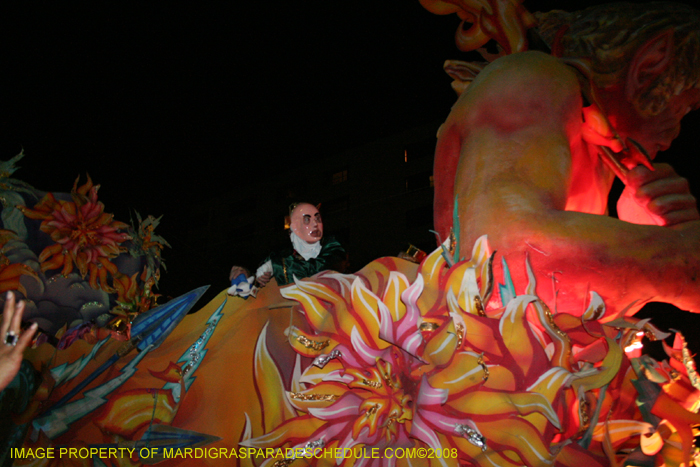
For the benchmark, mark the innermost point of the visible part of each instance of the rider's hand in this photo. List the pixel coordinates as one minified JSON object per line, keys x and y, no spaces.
{"x":263,"y":279}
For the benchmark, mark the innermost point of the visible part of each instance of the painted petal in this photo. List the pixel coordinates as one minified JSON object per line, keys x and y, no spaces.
{"x":681,"y":419}
{"x":69,"y":210}
{"x":275,"y":406}
{"x":348,"y":406}
{"x":501,"y":379}
{"x":409,"y":323}
{"x":481,"y":336}
{"x":608,"y":369}
{"x":54,"y":263}
{"x":433,"y":265}
{"x":428,"y":395}
{"x":531,"y":288}
{"x":108,"y":265}
{"x":412,"y":343}
{"x":368,"y":354}
{"x":247,"y":428}
{"x":463,"y":373}
{"x":482,"y":258}
{"x":314,"y":375}
{"x":365,"y":305}
{"x":519,"y":339}
{"x":432,"y":270}
{"x":50,"y":251}
{"x":520,"y":436}
{"x":622,"y":430}
{"x":349,"y":357}
{"x":344,"y":281}
{"x":560,"y":340}
{"x":297,"y":385}
{"x":81,"y":260}
{"x":103,"y":219}
{"x":469,"y":298}
{"x":422,"y":431}
{"x":372,"y":410}
{"x":442,"y":345}
{"x":551,"y":382}
{"x":501,"y":404}
{"x":67,"y":264}
{"x":316,"y":313}
{"x":297,"y":428}
{"x":359,"y":439}
{"x":410,"y":295}
{"x":462,"y":284}
{"x":340,"y":376}
{"x":494,"y":459}
{"x":573,"y":455}
{"x":89,"y":210}
{"x":386,"y":327}
{"x":93,"y":277}
{"x":319,"y":290}
{"x":395,"y":287}
{"x":595,"y":309}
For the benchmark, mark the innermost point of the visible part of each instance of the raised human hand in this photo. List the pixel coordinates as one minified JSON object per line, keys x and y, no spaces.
{"x":658,"y":197}
{"x":13,"y":343}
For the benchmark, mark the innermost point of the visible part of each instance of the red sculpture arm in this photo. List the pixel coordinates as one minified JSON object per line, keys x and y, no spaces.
{"x":524,"y":176}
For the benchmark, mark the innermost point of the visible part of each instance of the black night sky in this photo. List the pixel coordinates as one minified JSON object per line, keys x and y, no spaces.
{"x":166,"y":105}
{"x":172,"y":102}
{"x":161,"y":103}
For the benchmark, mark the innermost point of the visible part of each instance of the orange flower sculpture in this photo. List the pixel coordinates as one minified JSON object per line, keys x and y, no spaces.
{"x":425,"y":373}
{"x":86,"y":237}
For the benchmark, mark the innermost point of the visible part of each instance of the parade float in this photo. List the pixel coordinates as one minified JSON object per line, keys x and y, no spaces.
{"x":453,"y":361}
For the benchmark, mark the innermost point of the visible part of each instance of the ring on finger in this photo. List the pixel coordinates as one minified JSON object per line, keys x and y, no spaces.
{"x":11,"y":338}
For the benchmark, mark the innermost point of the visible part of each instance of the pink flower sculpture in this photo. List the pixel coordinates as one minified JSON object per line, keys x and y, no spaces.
{"x":431,"y":373}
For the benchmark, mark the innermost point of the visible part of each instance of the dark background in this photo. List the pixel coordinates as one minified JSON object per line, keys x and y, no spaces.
{"x":166,"y":103}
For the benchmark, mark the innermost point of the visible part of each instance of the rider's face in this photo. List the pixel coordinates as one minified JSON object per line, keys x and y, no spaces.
{"x":306,"y":223}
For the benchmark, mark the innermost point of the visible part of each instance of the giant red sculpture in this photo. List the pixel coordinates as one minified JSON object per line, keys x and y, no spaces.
{"x":529,"y":152}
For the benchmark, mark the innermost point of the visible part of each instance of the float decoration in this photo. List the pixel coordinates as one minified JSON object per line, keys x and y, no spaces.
{"x":85,"y":236}
{"x":135,"y":293}
{"x":10,"y":195}
{"x":505,"y":21}
{"x":144,"y":242}
{"x":10,"y":273}
{"x":75,"y":264}
{"x":125,"y":413}
{"x":389,"y":358}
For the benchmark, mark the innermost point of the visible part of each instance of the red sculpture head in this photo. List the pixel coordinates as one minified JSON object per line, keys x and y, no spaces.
{"x":642,"y":61}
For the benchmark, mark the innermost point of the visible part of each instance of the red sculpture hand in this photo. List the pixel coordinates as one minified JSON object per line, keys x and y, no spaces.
{"x":660,"y":197}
